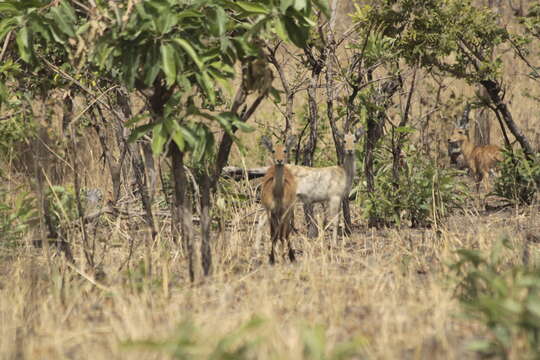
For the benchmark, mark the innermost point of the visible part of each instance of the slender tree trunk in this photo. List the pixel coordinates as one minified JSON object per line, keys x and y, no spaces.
{"x":375,"y":125}
{"x":137,"y":163}
{"x":289,"y":94}
{"x":309,"y":149}
{"x":330,"y":53}
{"x":493,"y":89}
{"x":182,"y":212}
{"x":482,"y":131}
{"x":113,"y":164}
{"x":398,"y":143}
{"x":206,"y":248}
{"x":226,"y":140}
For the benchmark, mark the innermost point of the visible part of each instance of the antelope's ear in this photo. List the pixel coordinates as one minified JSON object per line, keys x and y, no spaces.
{"x":267,"y":143}
{"x":358,"y":133}
{"x":290,"y":142}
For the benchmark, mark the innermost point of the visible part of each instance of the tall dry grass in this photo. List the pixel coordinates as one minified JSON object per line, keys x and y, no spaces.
{"x":388,"y":291}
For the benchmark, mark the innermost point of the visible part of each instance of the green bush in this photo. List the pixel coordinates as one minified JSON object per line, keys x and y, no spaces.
{"x":519,"y":178}
{"x":62,"y":205}
{"x":504,"y":297}
{"x":14,"y":218}
{"x":425,"y":194}
{"x":246,"y":342}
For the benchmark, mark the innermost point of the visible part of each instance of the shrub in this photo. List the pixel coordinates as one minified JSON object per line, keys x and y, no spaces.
{"x":519,"y":178}
{"x":424,"y":195}
{"x":504,"y":297}
{"x":14,"y":218}
{"x":246,"y":342}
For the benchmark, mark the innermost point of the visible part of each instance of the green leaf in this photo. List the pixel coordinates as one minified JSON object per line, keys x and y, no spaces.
{"x":225,"y":120}
{"x":252,"y":8}
{"x":62,"y":21}
{"x":7,"y":8}
{"x":39,"y":27}
{"x":23,"y":43}
{"x":300,"y":5}
{"x":221,"y":20}
{"x":7,"y":25}
{"x":243,"y":126}
{"x":323,"y":6}
{"x":159,"y":138}
{"x":281,"y":31}
{"x":165,"y":22}
{"x":190,"y":51}
{"x":131,"y":66}
{"x":275,"y":94}
{"x":168,"y":63}
{"x":68,"y":11}
{"x":135,"y":119}
{"x":174,"y":130}
{"x":188,"y":14}
{"x":151,"y":66}
{"x":405,"y":129}
{"x":285,"y":4}
{"x":139,"y":132}
{"x":297,"y":34}
{"x":206,"y":83}
{"x":188,"y":135}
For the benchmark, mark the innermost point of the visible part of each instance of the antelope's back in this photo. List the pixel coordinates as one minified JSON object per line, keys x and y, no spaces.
{"x":317,"y":184}
{"x":487,"y":156}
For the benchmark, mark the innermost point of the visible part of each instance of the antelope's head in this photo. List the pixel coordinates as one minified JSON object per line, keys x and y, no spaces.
{"x":280,"y":151}
{"x":350,"y":140}
{"x":348,"y":144}
{"x":460,"y":133}
{"x":280,"y":155}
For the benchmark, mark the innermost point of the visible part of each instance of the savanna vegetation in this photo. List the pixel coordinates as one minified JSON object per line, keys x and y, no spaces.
{"x":131,"y":161}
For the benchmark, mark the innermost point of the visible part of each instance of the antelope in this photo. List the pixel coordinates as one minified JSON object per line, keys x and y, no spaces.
{"x":328,"y":185}
{"x":479,"y":159}
{"x":278,"y":196}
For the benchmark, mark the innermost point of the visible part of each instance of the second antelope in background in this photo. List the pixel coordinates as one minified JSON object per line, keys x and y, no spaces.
{"x":479,"y":159}
{"x":328,"y":184}
{"x":278,"y":196}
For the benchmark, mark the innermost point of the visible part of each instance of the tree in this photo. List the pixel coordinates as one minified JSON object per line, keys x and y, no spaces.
{"x":454,"y":37}
{"x":181,"y":56}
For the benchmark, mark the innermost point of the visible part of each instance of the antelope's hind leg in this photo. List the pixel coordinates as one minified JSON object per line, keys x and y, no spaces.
{"x":292,"y":257}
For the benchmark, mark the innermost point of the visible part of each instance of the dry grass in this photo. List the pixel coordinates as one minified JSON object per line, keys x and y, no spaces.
{"x":389,"y":290}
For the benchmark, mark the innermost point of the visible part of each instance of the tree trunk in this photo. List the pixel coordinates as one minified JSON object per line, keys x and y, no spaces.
{"x":309,"y":150}
{"x":375,"y":125}
{"x":206,"y":248}
{"x":397,"y":143}
{"x":182,"y":212}
{"x":113,"y":164}
{"x":493,"y":89}
{"x":289,"y":94}
{"x":137,"y":163}
{"x":482,"y":130}
{"x":330,"y":52}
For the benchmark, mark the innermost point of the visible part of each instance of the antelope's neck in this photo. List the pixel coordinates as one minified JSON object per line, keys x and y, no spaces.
{"x":349,"y":165}
{"x":278,"y":182}
{"x":467,"y":148}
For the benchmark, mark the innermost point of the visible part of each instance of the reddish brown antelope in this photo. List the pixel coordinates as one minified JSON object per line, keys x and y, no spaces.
{"x":479,"y":159}
{"x":278,"y":196}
